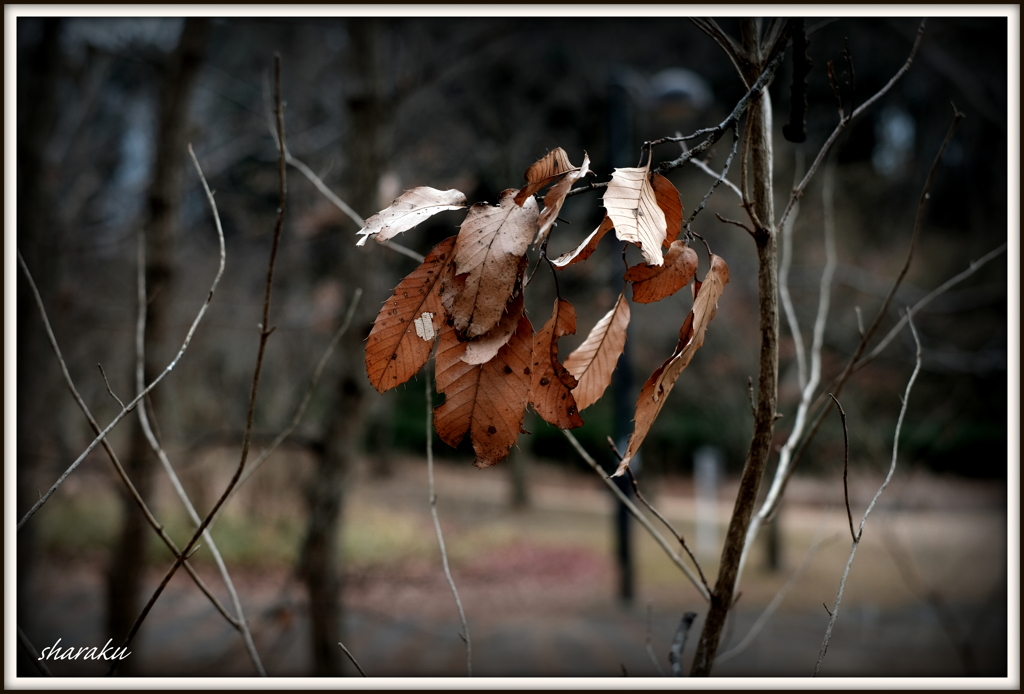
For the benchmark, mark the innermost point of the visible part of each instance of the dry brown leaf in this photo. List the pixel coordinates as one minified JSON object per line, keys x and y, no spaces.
{"x":633,"y":208}
{"x":691,"y":337}
{"x":593,"y":362}
{"x":556,"y":196}
{"x":483,"y":348}
{"x":552,"y":384}
{"x":668,"y":200}
{"x":486,"y":400}
{"x":408,"y":210}
{"x":586,"y":248}
{"x":653,"y":283}
{"x":542,"y":172}
{"x":491,"y":242}
{"x":404,"y":331}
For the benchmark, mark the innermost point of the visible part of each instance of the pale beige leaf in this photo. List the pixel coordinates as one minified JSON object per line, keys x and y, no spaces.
{"x":668,"y":200}
{"x":403,"y":333}
{"x":633,"y":208}
{"x":408,"y":210}
{"x":691,"y":337}
{"x":542,"y":172}
{"x":490,"y":245}
{"x":586,"y":248}
{"x":488,"y":401}
{"x":654,"y":283}
{"x":551,"y":388}
{"x":556,"y":196}
{"x":593,"y":362}
{"x":483,"y":348}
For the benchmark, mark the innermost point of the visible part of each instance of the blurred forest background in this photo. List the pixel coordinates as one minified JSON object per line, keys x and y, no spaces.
{"x":374,"y":106}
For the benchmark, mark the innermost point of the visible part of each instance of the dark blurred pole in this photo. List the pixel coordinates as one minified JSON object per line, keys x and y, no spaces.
{"x":177,"y":78}
{"x":622,"y":154}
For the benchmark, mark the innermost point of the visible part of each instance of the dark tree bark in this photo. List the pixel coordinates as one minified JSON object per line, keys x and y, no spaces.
{"x":124,"y":581}
{"x":37,"y":87}
{"x":320,"y":565}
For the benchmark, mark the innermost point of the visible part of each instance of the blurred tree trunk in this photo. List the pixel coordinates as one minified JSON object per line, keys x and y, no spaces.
{"x":320,"y":564}
{"x":37,"y":86}
{"x":124,"y":581}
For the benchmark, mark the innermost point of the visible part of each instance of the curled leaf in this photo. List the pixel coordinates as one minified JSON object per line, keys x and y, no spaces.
{"x":552,"y":384}
{"x":542,"y":172}
{"x":654,"y":283}
{"x":668,"y":200}
{"x":483,"y":348}
{"x":488,"y":401}
{"x":404,"y":330}
{"x":593,"y":362}
{"x":691,"y":337}
{"x":633,"y":208}
{"x":408,"y":210}
{"x":490,"y":245}
{"x":556,"y":196}
{"x":586,"y":248}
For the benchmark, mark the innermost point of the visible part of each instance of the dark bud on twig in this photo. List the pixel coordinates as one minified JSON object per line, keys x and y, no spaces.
{"x":796,"y":129}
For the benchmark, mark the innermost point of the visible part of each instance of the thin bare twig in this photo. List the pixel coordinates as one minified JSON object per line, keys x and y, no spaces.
{"x":741,"y":225}
{"x":834,"y":613}
{"x":327,"y":192}
{"x":635,"y":512}
{"x":314,"y":379}
{"x":437,"y":524}
{"x":264,"y":335}
{"x":848,"y":371}
{"x":719,"y":179}
{"x":107,"y":384}
{"x":846,"y":467}
{"x":33,"y":654}
{"x":776,"y":601}
{"x":352,"y":658}
{"x":703,"y":166}
{"x":140,"y":363}
{"x":785,"y":261}
{"x":679,"y":537}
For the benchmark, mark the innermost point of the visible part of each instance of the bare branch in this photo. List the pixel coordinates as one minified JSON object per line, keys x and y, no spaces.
{"x":264,"y":335}
{"x":784,"y":297}
{"x":846,"y":467}
{"x":721,"y":177}
{"x":140,"y":361}
{"x":437,"y":524}
{"x":680,"y":538}
{"x":352,"y":658}
{"x":776,"y":601}
{"x":635,"y":512}
{"x":301,"y":410}
{"x":725,"y":42}
{"x":834,"y":614}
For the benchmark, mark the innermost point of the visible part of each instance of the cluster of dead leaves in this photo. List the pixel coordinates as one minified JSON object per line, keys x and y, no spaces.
{"x":467,"y":296}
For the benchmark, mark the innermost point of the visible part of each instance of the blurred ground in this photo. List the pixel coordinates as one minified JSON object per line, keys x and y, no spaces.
{"x":538,"y":584}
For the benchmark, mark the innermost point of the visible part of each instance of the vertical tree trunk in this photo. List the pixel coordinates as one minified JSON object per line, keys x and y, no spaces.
{"x":38,"y":77}
{"x":124,"y":581}
{"x":320,"y":566}
{"x":768,"y":377}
